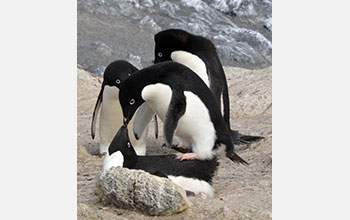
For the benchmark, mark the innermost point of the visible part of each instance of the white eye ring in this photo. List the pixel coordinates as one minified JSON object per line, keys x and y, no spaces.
{"x":128,"y":144}
{"x":132,"y":101}
{"x":160,"y":54}
{"x":118,"y":81}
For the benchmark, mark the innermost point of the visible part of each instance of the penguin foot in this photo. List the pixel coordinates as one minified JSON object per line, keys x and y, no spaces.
{"x":181,"y":149}
{"x":186,"y":156}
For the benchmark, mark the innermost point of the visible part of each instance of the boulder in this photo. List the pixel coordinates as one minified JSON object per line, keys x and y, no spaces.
{"x":140,"y":191}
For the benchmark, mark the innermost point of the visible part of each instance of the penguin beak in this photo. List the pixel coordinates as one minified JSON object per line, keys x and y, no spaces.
{"x":126,"y":122}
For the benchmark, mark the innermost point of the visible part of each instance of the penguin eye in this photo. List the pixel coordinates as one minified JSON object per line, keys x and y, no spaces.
{"x":118,"y":81}
{"x":128,"y":144}
{"x":132,"y":101}
{"x":160,"y":54}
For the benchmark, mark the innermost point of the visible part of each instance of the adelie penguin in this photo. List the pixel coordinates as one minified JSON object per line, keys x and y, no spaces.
{"x":199,"y":54}
{"x":111,"y":117}
{"x":184,"y":103}
{"x":192,"y":175}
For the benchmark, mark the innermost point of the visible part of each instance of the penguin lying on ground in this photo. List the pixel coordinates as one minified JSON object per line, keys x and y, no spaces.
{"x":184,"y":103}
{"x":111,"y":117}
{"x":192,"y":175}
{"x":199,"y":54}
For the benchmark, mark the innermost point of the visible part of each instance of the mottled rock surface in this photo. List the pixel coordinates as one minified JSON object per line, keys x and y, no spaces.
{"x":241,"y":192}
{"x":108,"y":30}
{"x":141,"y":191}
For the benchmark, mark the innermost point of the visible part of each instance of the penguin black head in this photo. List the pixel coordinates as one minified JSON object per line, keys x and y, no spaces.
{"x":171,"y":40}
{"x":130,"y":98}
{"x":121,"y":142}
{"x":117,"y":71}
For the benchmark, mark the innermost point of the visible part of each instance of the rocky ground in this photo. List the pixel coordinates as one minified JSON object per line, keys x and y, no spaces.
{"x":241,"y":192}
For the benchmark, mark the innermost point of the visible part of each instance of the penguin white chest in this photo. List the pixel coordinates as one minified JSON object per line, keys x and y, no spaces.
{"x":111,"y":114}
{"x":195,"y":126}
{"x":193,"y":62}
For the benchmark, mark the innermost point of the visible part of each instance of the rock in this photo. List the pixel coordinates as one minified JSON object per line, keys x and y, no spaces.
{"x":141,"y":191}
{"x":109,"y":30}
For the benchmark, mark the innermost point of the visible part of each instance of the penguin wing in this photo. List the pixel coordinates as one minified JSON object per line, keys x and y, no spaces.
{"x":176,"y":110}
{"x":96,"y":110}
{"x":143,"y":116}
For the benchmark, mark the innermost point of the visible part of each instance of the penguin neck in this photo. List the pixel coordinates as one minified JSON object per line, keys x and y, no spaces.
{"x":110,"y":103}
{"x":110,"y":94}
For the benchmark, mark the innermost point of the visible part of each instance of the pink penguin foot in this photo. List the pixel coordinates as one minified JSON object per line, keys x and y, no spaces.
{"x":186,"y":156}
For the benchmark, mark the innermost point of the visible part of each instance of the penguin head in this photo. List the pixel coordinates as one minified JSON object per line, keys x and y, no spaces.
{"x":116,"y":72}
{"x":121,"y":142}
{"x":130,"y":98}
{"x":171,"y":40}
{"x":120,"y":152}
{"x":168,"y":41}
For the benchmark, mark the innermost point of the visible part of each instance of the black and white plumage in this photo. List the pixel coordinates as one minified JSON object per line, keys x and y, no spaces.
{"x":111,"y":117}
{"x":199,"y":54}
{"x":192,"y":175}
{"x":184,"y":103}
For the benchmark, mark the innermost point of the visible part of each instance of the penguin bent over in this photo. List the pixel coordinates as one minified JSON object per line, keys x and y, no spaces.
{"x":184,"y":103}
{"x":111,"y":117}
{"x":199,"y":54}
{"x":192,"y":175}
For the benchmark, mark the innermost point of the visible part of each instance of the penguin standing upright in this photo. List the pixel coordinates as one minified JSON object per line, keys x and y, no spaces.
{"x":111,"y":117}
{"x":184,"y":103}
{"x":199,"y":54}
{"x":192,"y":175}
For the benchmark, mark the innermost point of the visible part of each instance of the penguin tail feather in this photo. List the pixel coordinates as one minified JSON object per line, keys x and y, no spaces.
{"x":237,"y":159}
{"x":244,"y":139}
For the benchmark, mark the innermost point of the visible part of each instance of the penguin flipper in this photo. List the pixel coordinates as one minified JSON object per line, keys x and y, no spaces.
{"x":244,"y":139}
{"x":96,"y":110}
{"x":237,"y":159}
{"x":176,"y":110}
{"x":142,"y":118}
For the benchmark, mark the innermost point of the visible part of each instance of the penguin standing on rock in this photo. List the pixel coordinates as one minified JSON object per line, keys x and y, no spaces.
{"x":184,"y":103}
{"x":192,"y":175}
{"x":199,"y":54}
{"x":111,"y":117}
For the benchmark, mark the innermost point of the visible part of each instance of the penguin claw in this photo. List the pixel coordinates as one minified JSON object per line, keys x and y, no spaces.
{"x":186,"y":156}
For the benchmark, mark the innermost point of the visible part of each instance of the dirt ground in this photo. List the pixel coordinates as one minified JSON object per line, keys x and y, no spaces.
{"x":241,"y":192}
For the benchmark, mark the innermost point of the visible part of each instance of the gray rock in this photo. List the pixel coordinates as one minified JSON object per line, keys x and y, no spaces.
{"x":109,"y":30}
{"x":140,"y":191}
